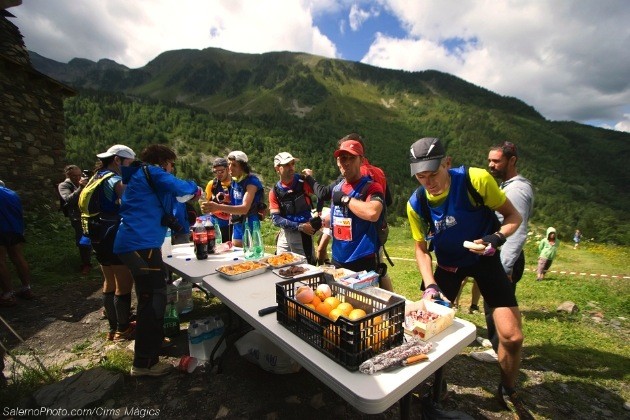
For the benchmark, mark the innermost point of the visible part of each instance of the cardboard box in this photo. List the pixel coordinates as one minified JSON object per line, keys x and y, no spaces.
{"x":427,"y":330}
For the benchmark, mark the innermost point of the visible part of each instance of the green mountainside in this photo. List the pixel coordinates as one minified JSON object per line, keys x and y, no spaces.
{"x":206,"y":103}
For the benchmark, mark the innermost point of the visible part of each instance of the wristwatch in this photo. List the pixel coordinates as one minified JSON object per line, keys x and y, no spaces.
{"x":345,"y":200}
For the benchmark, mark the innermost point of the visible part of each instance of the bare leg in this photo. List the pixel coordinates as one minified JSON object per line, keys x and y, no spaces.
{"x":21,"y":266}
{"x":5,"y":279}
{"x":508,"y":324}
{"x":476,"y":294}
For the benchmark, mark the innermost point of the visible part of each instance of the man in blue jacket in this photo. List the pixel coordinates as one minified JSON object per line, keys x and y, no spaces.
{"x":11,"y":240}
{"x":147,"y":203}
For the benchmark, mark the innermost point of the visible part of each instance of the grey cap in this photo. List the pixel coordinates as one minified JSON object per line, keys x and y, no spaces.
{"x":220,"y":162}
{"x":425,"y":155}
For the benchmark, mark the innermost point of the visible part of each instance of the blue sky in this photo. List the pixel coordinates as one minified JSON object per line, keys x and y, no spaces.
{"x":570,"y":60}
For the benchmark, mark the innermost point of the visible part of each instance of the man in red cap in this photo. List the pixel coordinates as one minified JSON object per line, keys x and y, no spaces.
{"x":357,"y":204}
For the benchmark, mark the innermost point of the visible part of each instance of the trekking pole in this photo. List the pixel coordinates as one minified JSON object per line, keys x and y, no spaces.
{"x":41,"y":365}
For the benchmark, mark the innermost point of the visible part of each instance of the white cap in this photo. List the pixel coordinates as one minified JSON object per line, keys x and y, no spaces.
{"x":118,"y":150}
{"x":237,"y":155}
{"x":283,"y":158}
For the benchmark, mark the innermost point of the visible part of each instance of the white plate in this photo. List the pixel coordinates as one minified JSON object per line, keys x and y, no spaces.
{"x":310,"y":269}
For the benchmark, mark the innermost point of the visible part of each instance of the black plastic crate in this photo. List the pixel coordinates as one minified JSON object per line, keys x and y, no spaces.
{"x":349,"y":343}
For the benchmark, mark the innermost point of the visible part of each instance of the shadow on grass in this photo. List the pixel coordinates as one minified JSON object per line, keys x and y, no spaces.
{"x":548,"y":398}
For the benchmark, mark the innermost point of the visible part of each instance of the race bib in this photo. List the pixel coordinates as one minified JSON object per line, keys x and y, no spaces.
{"x":342,"y":229}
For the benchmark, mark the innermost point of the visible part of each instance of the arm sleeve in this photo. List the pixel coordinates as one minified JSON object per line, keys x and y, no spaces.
{"x":323,"y":192}
{"x":283,"y":223}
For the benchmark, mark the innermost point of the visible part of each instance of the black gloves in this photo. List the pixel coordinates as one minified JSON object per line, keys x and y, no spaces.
{"x":340,"y":199}
{"x":495,"y":240}
{"x":316,"y":222}
{"x":432,"y":292}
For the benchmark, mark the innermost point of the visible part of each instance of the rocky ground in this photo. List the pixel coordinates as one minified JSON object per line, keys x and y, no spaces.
{"x":64,"y":328}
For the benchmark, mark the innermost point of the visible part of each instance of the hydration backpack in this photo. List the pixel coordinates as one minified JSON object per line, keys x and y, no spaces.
{"x":425,"y":211}
{"x":90,"y":206}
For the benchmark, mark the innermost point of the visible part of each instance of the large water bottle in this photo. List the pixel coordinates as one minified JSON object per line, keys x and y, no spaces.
{"x":195,"y":341}
{"x":167,"y":246}
{"x":185,"y":302}
{"x":248,"y":246}
{"x":214,"y":329}
{"x":257,"y":241}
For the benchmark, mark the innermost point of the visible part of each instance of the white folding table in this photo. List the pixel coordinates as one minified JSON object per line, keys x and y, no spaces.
{"x":370,"y":394}
{"x":182,"y":261}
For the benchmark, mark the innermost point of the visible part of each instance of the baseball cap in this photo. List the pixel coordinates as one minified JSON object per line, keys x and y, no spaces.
{"x":426,"y":155}
{"x":283,"y":158}
{"x":118,"y":150}
{"x":238,"y":155}
{"x":351,"y":146}
{"x":220,"y":162}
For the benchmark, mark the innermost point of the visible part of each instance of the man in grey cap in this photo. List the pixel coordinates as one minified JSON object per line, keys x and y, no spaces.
{"x":218,"y":190}
{"x":454,"y":210}
{"x":290,"y":208}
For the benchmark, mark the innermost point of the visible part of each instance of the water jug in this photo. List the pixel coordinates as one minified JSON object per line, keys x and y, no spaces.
{"x":214,"y":329}
{"x":195,"y":341}
{"x":185,"y":302}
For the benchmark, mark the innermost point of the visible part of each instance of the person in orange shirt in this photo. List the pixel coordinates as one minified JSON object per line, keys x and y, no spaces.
{"x":218,"y":190}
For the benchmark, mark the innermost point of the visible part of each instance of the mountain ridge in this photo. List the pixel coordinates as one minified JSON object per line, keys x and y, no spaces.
{"x":207,"y":102}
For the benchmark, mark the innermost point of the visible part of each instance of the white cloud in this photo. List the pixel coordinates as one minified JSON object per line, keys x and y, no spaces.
{"x":569,"y":60}
{"x":624,"y":125}
{"x":357,"y":16}
{"x":133,"y":33}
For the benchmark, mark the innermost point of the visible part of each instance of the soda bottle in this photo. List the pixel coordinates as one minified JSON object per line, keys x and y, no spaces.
{"x":248,"y":246}
{"x":200,"y":239}
{"x":171,"y":320}
{"x":209,"y":226}
{"x":257,"y":241}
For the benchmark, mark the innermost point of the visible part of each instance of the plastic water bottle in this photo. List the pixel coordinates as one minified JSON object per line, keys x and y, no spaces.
{"x":195,"y":341}
{"x":257,"y":241}
{"x":218,"y":238}
{"x":209,"y":226}
{"x":248,"y":246}
{"x":213,"y":330}
{"x":200,"y":240}
{"x":185,"y":302}
{"x":171,"y":321}
{"x":167,"y":246}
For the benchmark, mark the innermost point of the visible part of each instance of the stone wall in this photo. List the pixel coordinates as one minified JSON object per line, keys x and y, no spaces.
{"x":32,"y":124}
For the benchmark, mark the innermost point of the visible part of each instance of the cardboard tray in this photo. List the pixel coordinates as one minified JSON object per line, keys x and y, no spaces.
{"x":427,"y":330}
{"x":349,"y":343}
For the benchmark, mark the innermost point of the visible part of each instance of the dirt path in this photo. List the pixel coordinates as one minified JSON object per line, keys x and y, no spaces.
{"x":66,"y":318}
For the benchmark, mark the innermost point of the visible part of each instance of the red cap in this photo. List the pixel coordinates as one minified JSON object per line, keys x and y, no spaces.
{"x":351,"y":146}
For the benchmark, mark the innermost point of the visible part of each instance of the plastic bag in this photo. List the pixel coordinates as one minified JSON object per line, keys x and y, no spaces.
{"x":256,"y":348}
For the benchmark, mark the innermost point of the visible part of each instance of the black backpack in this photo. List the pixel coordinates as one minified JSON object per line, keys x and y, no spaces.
{"x":292,"y":201}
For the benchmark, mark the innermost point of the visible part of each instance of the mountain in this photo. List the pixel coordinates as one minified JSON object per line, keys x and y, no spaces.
{"x":207,"y":102}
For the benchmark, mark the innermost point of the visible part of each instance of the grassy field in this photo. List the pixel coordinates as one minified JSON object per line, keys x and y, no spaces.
{"x":589,"y":347}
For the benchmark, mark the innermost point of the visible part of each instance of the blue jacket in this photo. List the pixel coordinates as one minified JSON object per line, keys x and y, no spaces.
{"x":11,"y":215}
{"x":142,"y":212}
